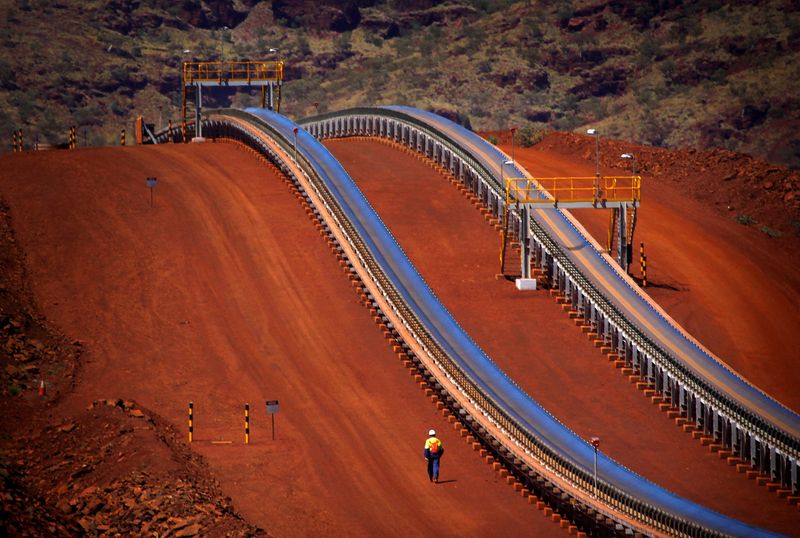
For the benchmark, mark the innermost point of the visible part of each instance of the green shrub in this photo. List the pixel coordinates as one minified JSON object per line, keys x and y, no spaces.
{"x":493,"y":139}
{"x":771,"y":231}
{"x":745,"y":219}
{"x":14,"y":390}
{"x":529,"y":135}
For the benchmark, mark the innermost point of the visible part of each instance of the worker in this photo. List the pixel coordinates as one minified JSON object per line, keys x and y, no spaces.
{"x":433,"y":453}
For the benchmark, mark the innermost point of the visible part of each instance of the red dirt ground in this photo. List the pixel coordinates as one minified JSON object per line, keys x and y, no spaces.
{"x":531,"y":338}
{"x":223,"y":293}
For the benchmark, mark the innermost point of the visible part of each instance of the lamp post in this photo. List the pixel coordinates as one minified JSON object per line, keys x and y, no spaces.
{"x":632,"y":157}
{"x":222,"y":42}
{"x":513,"y":132}
{"x":596,"y":134}
{"x":596,"y":445}
{"x":502,"y":175}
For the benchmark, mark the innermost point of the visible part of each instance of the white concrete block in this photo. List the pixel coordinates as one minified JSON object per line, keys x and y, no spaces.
{"x":526,"y":284}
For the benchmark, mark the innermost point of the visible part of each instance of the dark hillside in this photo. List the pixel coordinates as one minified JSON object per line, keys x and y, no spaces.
{"x":704,"y":74}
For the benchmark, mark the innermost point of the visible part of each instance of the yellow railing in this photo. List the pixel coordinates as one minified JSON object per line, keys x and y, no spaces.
{"x":232,"y":72}
{"x":589,"y":189}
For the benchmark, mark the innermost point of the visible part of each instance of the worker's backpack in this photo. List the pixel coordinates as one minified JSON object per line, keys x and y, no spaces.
{"x":434,"y":448}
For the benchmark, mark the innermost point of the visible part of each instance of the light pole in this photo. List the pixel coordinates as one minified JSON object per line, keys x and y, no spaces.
{"x":513,"y":132}
{"x":596,"y":134}
{"x":596,"y":445}
{"x":504,"y":222}
{"x":222,"y":42}
{"x":632,"y":157}
{"x":502,"y":175}
{"x":295,"y":145}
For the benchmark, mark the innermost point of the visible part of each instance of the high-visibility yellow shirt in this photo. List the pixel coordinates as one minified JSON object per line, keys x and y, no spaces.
{"x":432,"y":440}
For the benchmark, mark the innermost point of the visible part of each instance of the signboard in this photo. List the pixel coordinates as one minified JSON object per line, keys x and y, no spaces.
{"x":151,"y":184}
{"x":272,"y":407}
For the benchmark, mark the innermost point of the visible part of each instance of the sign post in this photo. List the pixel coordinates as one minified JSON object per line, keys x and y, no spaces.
{"x":273,"y":407}
{"x":596,"y":445}
{"x":151,"y":184}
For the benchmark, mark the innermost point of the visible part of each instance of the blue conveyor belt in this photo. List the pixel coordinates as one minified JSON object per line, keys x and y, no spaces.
{"x":457,"y":343}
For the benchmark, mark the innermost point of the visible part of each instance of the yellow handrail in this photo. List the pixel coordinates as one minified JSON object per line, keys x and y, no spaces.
{"x":232,"y":72}
{"x":548,"y":190}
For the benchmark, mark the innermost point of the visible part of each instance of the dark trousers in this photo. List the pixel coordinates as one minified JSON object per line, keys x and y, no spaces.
{"x":433,"y":468}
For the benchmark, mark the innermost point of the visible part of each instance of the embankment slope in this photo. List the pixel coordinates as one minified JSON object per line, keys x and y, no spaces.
{"x":224,"y":293}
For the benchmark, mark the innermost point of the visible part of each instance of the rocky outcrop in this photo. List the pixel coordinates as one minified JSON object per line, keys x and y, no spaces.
{"x":105,"y":482}
{"x":332,"y":15}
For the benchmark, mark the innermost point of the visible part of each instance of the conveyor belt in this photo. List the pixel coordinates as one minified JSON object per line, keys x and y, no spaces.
{"x":711,"y":396}
{"x":471,"y":369}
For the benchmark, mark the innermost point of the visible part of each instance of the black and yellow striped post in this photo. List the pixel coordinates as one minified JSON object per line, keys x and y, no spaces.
{"x":20,"y":140}
{"x":641,"y":262}
{"x":183,"y":132}
{"x":169,"y":132}
{"x":191,"y":420}
{"x":247,"y":423}
{"x":122,"y":137}
{"x":644,"y":272}
{"x":14,"y":142}
{"x":74,"y":137}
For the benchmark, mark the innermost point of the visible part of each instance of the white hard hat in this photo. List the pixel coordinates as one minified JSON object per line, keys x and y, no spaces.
{"x":432,"y":432}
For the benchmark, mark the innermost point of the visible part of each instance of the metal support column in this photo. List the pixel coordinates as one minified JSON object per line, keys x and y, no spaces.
{"x":270,"y":97}
{"x":198,"y":105}
{"x":622,"y":240}
{"x":525,"y":241}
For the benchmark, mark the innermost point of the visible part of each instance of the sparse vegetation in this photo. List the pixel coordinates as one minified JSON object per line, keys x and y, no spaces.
{"x":746,"y":220}
{"x":771,"y":231}
{"x":529,"y":135}
{"x":699,"y":77}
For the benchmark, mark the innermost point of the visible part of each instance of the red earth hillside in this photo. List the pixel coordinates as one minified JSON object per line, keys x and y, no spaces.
{"x":225,"y":293}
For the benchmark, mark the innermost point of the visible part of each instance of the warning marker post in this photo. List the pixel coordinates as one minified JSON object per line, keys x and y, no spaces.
{"x":247,"y":423}
{"x":191,"y":420}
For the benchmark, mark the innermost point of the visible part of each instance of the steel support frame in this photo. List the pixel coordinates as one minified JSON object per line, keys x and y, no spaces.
{"x":577,"y":511}
{"x":664,"y":376}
